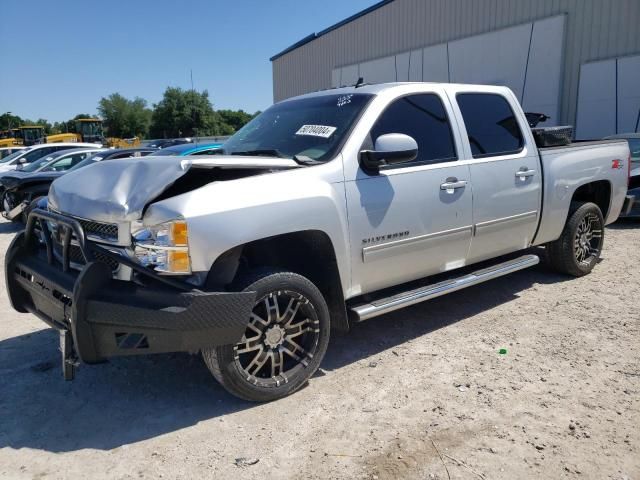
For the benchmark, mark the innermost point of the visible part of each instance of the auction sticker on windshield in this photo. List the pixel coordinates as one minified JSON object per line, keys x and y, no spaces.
{"x":316,"y":131}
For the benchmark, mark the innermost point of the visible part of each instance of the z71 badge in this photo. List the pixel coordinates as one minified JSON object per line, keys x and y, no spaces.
{"x":382,"y":238}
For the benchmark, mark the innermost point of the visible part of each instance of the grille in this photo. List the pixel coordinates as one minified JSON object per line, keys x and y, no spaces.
{"x":100,"y":257}
{"x":76,"y":257}
{"x":105,"y":231}
{"x":75,"y":254}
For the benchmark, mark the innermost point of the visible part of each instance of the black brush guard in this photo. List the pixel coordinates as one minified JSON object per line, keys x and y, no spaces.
{"x":100,"y":317}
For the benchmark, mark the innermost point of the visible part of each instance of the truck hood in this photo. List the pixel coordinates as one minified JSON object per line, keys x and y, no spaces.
{"x":119,"y":190}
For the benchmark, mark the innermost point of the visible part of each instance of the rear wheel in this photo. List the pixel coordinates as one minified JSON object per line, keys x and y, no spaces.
{"x":578,"y":249}
{"x":284,"y":342}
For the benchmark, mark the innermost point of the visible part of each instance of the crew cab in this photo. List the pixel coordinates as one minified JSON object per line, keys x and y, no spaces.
{"x":327,"y":209}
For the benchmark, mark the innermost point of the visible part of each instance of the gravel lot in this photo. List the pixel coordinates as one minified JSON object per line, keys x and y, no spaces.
{"x":409,"y":395}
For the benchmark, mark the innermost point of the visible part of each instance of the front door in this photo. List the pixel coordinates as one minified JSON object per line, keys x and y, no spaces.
{"x":414,"y":219}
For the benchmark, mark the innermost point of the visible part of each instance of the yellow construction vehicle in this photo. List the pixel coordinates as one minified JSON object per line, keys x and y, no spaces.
{"x":27,"y":136}
{"x":90,"y":130}
{"x":9,"y":138}
{"x":87,"y":130}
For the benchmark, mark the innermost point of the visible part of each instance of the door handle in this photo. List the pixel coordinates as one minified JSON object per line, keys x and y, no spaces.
{"x":525,"y":173}
{"x":452,"y":185}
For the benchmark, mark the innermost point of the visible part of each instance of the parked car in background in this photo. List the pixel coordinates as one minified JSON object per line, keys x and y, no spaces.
{"x":19,"y":187}
{"x":326,"y":209}
{"x":59,"y":161}
{"x":24,"y":189}
{"x":166,"y":142}
{"x":190,"y":149}
{"x":633,"y":139}
{"x":6,"y":151}
{"x":12,"y":156}
{"x":31,"y":154}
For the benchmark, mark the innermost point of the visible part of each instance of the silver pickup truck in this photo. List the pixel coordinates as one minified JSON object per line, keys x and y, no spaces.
{"x":327,"y":209}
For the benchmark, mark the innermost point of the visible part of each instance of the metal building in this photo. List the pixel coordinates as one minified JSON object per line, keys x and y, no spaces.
{"x":575,"y":60}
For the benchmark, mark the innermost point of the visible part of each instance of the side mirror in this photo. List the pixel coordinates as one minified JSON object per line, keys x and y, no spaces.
{"x":389,"y":149}
{"x":23,"y":160}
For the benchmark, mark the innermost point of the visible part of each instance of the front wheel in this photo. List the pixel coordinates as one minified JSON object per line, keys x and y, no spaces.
{"x":578,"y":249}
{"x":284,"y":342}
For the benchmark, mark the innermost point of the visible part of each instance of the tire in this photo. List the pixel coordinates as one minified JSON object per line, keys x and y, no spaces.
{"x":578,"y":249}
{"x":268,"y":363}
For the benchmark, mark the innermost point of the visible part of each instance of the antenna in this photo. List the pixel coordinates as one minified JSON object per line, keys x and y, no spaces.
{"x":360,"y":82}
{"x":193,"y":110}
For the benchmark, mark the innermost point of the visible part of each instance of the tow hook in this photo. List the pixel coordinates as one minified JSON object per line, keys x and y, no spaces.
{"x":69,"y":357}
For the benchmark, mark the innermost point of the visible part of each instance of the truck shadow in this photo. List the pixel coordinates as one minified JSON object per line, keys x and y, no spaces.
{"x":369,"y":338}
{"x":132,"y":399}
{"x":625,"y":224}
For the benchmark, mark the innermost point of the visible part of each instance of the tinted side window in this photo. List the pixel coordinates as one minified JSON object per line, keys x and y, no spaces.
{"x":122,"y":155}
{"x":424,"y":118}
{"x":491,"y":124}
{"x":38,"y":153}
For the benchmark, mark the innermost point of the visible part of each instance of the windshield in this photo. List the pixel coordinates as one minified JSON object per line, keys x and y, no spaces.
{"x":90,"y":128}
{"x":31,"y":134}
{"x":8,"y":158}
{"x":37,"y":165}
{"x":309,"y":127}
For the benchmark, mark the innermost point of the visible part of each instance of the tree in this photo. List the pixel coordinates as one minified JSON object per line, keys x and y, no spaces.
{"x":124,"y":118}
{"x":184,"y":113}
{"x":45,"y":124}
{"x":8,"y":120}
{"x":236,"y":119}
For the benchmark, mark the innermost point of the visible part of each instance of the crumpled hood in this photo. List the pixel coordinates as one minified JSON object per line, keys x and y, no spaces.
{"x":118,"y":190}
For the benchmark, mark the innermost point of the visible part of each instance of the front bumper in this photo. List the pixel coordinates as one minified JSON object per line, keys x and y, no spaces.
{"x":107,"y":317}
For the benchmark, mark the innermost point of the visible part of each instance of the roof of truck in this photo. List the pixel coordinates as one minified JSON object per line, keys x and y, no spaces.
{"x":377,"y":88}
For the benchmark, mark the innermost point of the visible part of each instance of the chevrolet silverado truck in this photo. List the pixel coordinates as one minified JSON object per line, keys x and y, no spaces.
{"x":327,"y":209}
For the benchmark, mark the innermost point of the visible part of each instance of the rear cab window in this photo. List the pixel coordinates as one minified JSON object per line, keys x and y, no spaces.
{"x":492,"y":126}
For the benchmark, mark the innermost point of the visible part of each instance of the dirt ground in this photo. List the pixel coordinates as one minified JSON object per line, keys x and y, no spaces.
{"x":422,"y":393}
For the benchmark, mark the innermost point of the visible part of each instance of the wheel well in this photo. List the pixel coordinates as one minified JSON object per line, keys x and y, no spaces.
{"x":309,"y":253}
{"x":597,"y":192}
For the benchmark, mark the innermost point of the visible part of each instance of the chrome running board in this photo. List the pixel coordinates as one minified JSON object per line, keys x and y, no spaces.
{"x":404,"y":299}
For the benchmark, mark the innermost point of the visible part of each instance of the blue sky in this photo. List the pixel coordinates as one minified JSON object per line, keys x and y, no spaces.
{"x":61,"y":57}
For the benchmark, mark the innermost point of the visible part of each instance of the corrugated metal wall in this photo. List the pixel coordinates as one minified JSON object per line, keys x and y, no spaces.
{"x":595,"y":29}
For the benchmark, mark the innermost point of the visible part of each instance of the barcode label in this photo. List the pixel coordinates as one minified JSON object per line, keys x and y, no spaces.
{"x":316,"y":131}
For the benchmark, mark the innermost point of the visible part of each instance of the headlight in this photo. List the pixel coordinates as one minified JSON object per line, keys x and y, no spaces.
{"x":164,"y":247}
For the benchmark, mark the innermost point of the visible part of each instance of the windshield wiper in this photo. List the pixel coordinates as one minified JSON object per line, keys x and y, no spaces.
{"x":264,"y":153}
{"x":304,"y":160}
{"x":299,"y":159}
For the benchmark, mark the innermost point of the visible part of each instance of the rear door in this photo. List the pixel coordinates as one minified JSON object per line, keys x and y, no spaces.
{"x":505,"y":173}
{"x":413,"y":219}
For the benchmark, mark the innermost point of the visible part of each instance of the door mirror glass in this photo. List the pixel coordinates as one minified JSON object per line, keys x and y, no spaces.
{"x":23,"y":160}
{"x":390,"y":149}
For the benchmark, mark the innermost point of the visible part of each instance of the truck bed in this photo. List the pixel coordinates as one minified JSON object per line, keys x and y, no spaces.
{"x":567,"y":168}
